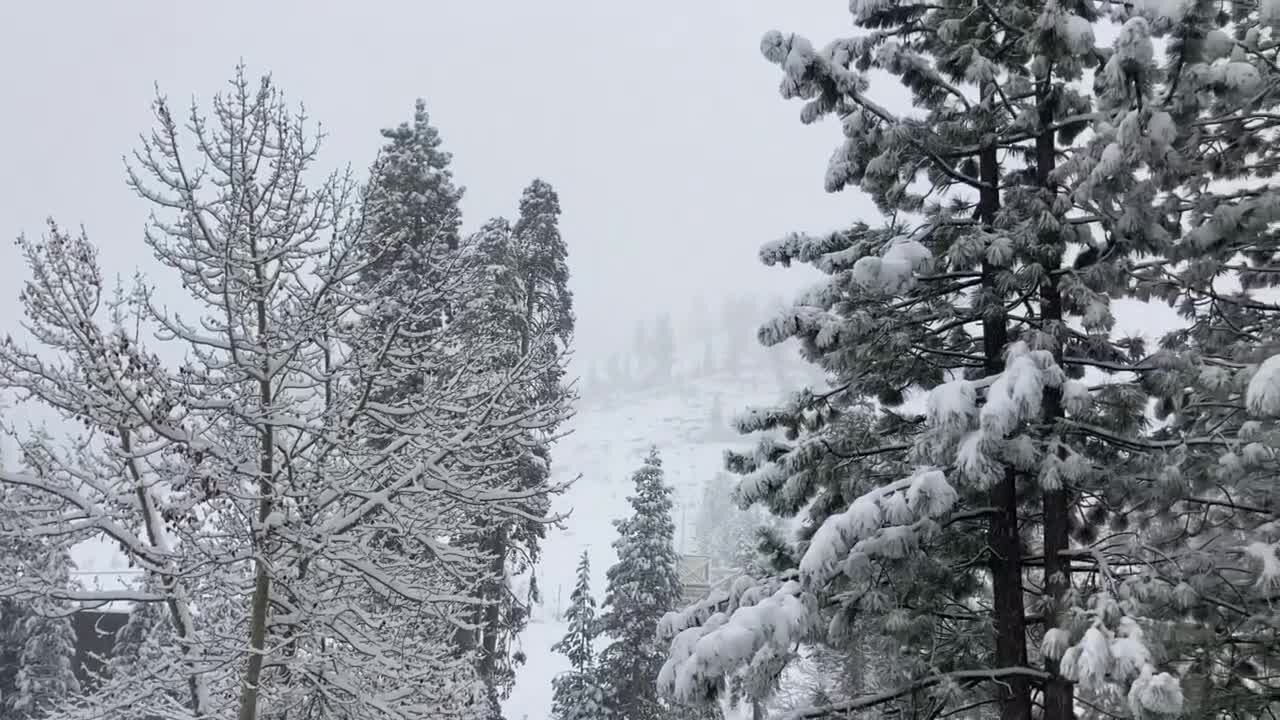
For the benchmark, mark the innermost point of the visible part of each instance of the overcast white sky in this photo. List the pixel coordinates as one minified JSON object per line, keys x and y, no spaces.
{"x":658,"y":122}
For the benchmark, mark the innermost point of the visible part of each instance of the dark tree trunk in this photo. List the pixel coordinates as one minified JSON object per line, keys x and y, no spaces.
{"x":493,"y":611}
{"x":1004,"y":543}
{"x":1058,"y":692}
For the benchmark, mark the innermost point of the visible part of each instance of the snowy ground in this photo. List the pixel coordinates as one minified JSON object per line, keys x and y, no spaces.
{"x":608,"y":442}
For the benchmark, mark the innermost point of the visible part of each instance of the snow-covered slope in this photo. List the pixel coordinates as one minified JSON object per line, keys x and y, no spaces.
{"x":608,"y":441}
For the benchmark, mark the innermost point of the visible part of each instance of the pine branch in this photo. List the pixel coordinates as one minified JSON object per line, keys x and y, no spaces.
{"x":869,"y":701}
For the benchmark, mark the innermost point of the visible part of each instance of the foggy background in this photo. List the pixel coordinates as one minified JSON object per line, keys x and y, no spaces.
{"x":659,"y":123}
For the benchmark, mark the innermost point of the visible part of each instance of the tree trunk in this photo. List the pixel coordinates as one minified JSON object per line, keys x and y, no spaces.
{"x":466,"y":638}
{"x":1004,"y":543}
{"x":266,"y":490}
{"x":493,"y":611}
{"x":179,"y":612}
{"x":1058,"y":692}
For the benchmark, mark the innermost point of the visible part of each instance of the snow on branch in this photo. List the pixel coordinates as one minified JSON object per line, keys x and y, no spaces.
{"x":703,"y":656}
{"x":1262,"y":396}
{"x":1113,"y":650}
{"x":876,"y":524}
{"x":893,"y":272}
{"x":842,"y":709}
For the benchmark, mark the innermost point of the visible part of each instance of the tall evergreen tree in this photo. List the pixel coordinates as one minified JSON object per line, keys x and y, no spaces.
{"x":1207,"y":171}
{"x":520,"y":306}
{"x":577,"y":693}
{"x":139,"y":649}
{"x":413,"y":201}
{"x":543,"y":262}
{"x":46,"y":663}
{"x":643,"y":585}
{"x":986,"y":299}
{"x":411,"y":241}
{"x":530,"y":298}
{"x":494,"y":318}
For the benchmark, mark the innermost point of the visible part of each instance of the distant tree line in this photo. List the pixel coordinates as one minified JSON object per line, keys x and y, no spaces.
{"x":701,"y":344}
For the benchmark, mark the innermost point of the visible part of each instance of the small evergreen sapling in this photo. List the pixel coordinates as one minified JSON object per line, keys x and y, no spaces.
{"x":578,"y":695}
{"x":643,"y":585}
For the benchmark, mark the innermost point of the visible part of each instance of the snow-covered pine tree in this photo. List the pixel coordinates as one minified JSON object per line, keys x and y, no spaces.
{"x":46,"y":664}
{"x":140,"y":649}
{"x":242,"y":482}
{"x":38,"y":655}
{"x":495,"y":317}
{"x":519,"y":274}
{"x":642,"y":586}
{"x":12,"y":541}
{"x":543,"y":266}
{"x":577,"y":693}
{"x":37,"y":638}
{"x":413,"y":219}
{"x":522,"y":323}
{"x":531,"y":281}
{"x":413,"y":200}
{"x":955,"y":338}
{"x":496,"y":312}
{"x":411,"y":240}
{"x":1211,"y":530}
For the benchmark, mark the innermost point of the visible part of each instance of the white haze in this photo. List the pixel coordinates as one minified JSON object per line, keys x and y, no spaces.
{"x":658,"y":123}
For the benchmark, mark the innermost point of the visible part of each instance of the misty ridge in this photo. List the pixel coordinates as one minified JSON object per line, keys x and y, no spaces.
{"x":968,"y":410}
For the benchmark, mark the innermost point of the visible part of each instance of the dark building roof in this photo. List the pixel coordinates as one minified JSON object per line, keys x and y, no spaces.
{"x":95,"y":637}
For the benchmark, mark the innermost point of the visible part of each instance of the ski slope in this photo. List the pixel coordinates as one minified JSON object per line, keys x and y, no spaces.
{"x":608,"y":441}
